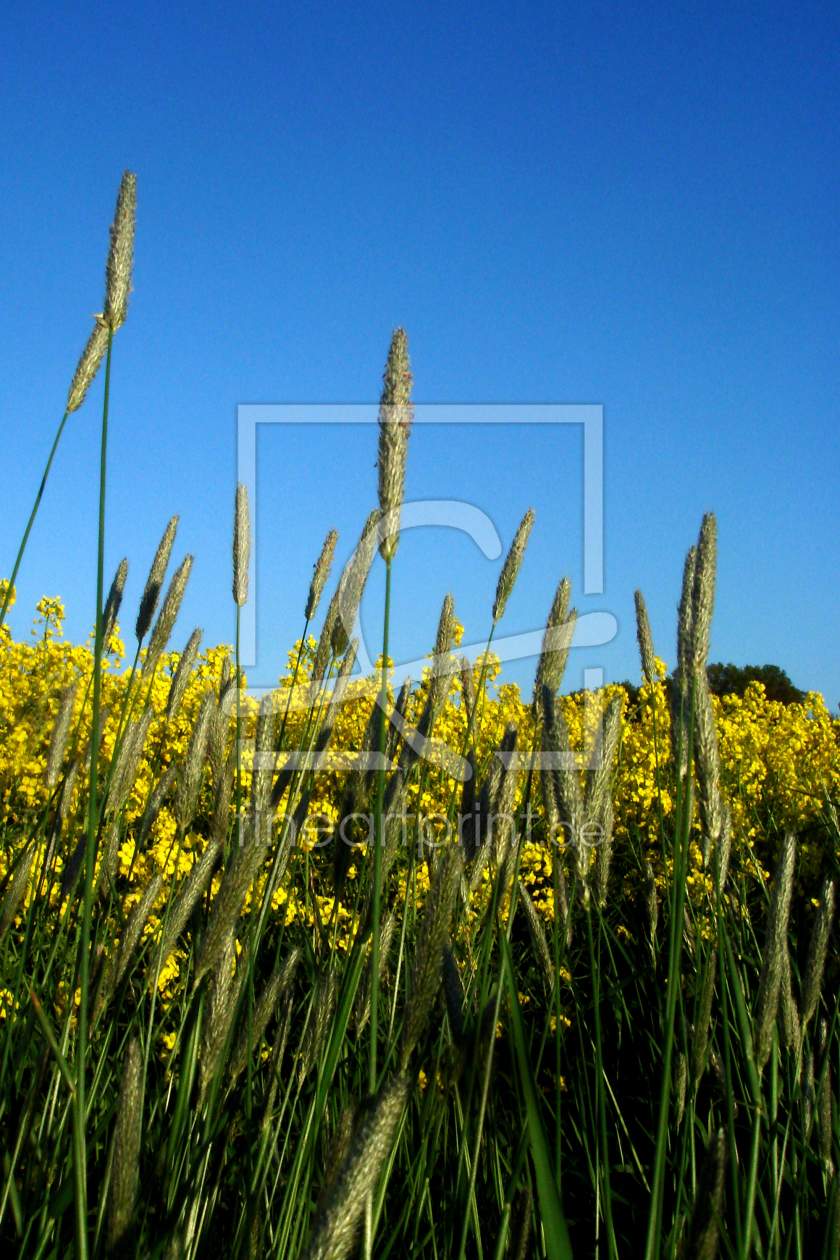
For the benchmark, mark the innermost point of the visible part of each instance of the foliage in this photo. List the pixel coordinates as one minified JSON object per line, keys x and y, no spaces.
{"x":733,"y":680}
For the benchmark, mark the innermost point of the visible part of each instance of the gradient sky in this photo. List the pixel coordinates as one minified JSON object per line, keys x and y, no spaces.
{"x":630,"y":205}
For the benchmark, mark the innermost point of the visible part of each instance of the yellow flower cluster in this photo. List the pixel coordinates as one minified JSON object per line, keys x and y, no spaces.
{"x":780,"y":768}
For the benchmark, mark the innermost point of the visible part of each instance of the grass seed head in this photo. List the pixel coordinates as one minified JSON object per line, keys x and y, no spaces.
{"x":700,"y":1044}
{"x":707,"y":763}
{"x":501,"y":816}
{"x":603,"y":856}
{"x":396,"y":721}
{"x":154,"y":582}
{"x":808,"y":1091}
{"x":125,"y":1169}
{"x":467,"y":687}
{"x":825,"y":1132}
{"x":432,"y":938}
{"x":453,"y":992}
{"x":223,"y":992}
{"x":567,"y":793}
{"x":396,"y":821}
{"x":680,"y":1080}
{"x":187,"y":898}
{"x":767,"y":1002}
{"x":183,"y":674}
{"x":536,"y":931}
{"x":685,"y":621}
{"x":339,"y":1147}
{"x":88,"y":365}
{"x":337,"y":695}
{"x":168,"y":615}
{"x":324,"y":997}
{"x":791,"y":1026}
{"x":227,"y":904}
{"x":681,"y":692}
{"x":221,"y":803}
{"x":440,"y":680}
{"x":334,"y":1228}
{"x":555,"y":645}
{"x":645,"y":639}
{"x":443,"y":666}
{"x":521,"y":1231}
{"x":724,"y":848}
{"x":121,"y":254}
{"x":262,"y":770}
{"x":703,"y":594}
{"x":512,"y":564}
{"x":817,"y":950}
{"x":704,"y":1231}
{"x":395,"y":416}
{"x":189,"y":784}
{"x":562,"y":909}
{"x":651,"y":905}
{"x":264,"y":1010}
{"x":112,"y":603}
{"x":241,"y":545}
{"x":67,"y":789}
{"x":719,"y":1079}
{"x":322,"y":571}
{"x":127,"y":763}
{"x":220,"y":726}
{"x":324,"y":649}
{"x":160,"y":792}
{"x":136,"y":922}
{"x":600,"y":769}
{"x":17,"y":891}
{"x":352,"y":585}
{"x":60,"y":734}
{"x":467,"y":818}
{"x":361,"y":1011}
{"x":121,"y":960}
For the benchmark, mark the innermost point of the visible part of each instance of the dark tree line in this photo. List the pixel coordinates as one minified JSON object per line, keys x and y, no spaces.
{"x":732,"y":680}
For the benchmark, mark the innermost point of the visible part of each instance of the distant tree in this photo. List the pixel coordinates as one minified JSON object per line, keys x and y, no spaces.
{"x":732,"y":680}
{"x":632,"y":693}
{"x":631,"y":689}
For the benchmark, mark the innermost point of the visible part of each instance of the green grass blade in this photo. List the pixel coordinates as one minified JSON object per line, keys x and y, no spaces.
{"x":557,"y":1242}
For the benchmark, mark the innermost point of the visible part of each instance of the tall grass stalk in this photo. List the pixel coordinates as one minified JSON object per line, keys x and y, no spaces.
{"x":9,"y":591}
{"x":377,"y":840}
{"x":80,"y":1154}
{"x":681,"y":845}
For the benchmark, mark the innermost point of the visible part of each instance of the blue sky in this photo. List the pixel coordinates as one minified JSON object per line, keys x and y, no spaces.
{"x":634,"y":206}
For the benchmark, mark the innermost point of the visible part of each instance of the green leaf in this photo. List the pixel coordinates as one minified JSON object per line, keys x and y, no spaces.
{"x":558,"y":1245}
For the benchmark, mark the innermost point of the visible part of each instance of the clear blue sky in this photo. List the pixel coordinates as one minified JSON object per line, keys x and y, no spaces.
{"x":631,"y":205}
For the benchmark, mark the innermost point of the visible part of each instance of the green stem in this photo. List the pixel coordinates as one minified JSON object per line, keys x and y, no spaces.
{"x":681,"y":848}
{"x":79,"y":1147}
{"x":506,"y":931}
{"x":471,"y":721}
{"x":238,"y":739}
{"x":752,"y":1181}
{"x":8,"y":595}
{"x":281,"y":736}
{"x":727,"y":1063}
{"x":377,"y":840}
{"x":600,"y":1094}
